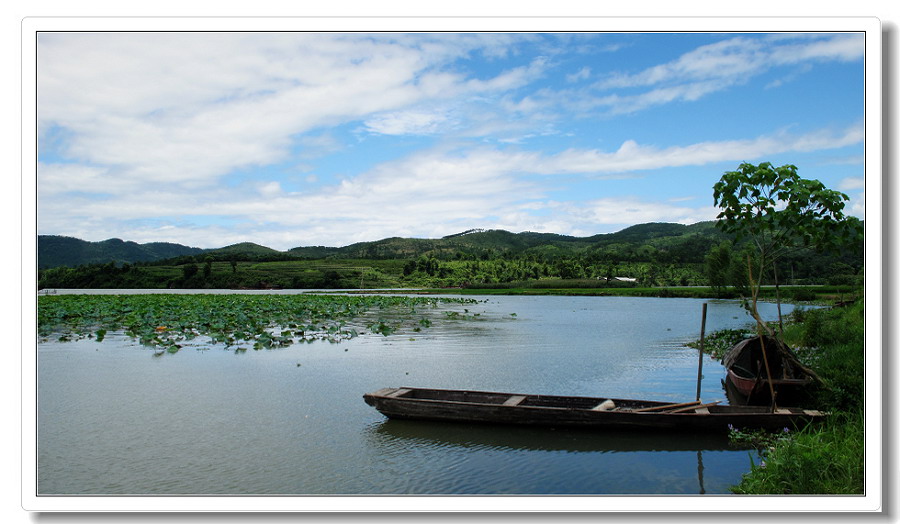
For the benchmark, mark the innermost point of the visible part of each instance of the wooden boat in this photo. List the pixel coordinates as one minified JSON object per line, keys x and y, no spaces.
{"x":746,"y":371}
{"x":584,"y":412}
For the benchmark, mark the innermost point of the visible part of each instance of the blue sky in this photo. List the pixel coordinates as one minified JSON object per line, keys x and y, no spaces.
{"x":295,"y":139}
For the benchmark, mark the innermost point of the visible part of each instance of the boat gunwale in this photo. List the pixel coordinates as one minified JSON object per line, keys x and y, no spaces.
{"x":719,"y":410}
{"x":391,"y":395}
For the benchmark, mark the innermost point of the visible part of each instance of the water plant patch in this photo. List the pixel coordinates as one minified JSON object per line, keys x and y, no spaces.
{"x":258,"y":321}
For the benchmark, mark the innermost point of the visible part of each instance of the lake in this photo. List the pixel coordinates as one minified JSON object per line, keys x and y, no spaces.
{"x":114,"y":418}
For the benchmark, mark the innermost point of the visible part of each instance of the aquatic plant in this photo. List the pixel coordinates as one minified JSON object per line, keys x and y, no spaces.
{"x":260,"y":321}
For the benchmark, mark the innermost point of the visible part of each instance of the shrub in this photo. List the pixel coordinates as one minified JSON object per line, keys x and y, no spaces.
{"x":803,"y":294}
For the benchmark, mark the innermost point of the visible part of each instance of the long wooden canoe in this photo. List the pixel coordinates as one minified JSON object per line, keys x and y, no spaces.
{"x":586,"y":412}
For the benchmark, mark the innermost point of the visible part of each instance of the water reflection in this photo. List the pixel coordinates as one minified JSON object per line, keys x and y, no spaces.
{"x":609,"y":462}
{"x":404,"y":433}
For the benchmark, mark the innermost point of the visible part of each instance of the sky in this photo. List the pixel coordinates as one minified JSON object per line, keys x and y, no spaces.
{"x":303,"y":139}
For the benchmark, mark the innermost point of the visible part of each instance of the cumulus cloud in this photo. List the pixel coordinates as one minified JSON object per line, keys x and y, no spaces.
{"x":182,"y":106}
{"x":441,"y":189}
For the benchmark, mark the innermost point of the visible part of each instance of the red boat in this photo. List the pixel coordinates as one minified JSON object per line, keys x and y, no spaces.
{"x":746,"y":369}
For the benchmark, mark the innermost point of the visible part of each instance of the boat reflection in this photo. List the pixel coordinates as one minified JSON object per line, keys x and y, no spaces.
{"x":392,"y":432}
{"x":395,"y":438}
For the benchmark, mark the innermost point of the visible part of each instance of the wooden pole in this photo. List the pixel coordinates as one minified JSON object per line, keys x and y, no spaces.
{"x":700,"y":364}
{"x":759,"y":329}
{"x":778,"y":298}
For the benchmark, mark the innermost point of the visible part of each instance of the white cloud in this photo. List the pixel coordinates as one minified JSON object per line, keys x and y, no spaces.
{"x":154,"y":122}
{"x":418,"y":122}
{"x":438,"y":190}
{"x":633,"y":210}
{"x":56,"y":179}
{"x":180,"y":107}
{"x":852,"y":183}
{"x":714,"y":67}
{"x":582,"y":74}
{"x":270,"y":189}
{"x":857,"y":205}
{"x":632,"y":156}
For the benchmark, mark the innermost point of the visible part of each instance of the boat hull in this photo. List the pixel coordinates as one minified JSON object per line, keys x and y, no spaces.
{"x":757,"y":389}
{"x":746,"y":369}
{"x":581,"y":412}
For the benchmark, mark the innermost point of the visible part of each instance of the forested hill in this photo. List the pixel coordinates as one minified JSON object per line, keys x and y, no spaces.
{"x":680,"y":241}
{"x":56,"y":251}
{"x":489,"y":243}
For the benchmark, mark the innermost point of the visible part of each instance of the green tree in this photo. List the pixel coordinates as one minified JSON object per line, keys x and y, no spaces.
{"x":718,"y":264}
{"x":207,"y":267}
{"x":779,"y":212}
{"x":189,"y":270}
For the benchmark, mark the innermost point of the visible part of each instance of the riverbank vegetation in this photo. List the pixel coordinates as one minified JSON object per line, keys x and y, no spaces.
{"x":826,"y":458}
{"x":573,"y":273}
{"x":782,"y":213}
{"x":643,"y":256}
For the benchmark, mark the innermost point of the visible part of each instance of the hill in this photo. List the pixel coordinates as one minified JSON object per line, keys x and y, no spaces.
{"x":56,"y":251}
{"x":686,"y":241}
{"x":692,"y":241}
{"x":650,"y":255}
{"x":243,"y":250}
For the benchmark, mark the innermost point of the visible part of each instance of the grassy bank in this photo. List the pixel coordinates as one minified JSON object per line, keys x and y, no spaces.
{"x":813,"y":294}
{"x":821,"y":460}
{"x":824,"y":459}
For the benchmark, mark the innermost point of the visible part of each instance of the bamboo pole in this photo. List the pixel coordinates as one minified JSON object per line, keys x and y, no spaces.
{"x":778,"y":298}
{"x":700,"y":360}
{"x":666,"y":407}
{"x":759,"y":331}
{"x":693,"y":408}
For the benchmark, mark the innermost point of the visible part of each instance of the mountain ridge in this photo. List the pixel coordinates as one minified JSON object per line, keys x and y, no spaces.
{"x":57,"y":250}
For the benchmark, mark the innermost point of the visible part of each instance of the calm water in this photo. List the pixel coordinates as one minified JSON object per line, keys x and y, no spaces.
{"x":115,"y":419}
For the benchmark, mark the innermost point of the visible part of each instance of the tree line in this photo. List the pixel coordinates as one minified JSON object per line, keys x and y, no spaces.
{"x":721,"y":266}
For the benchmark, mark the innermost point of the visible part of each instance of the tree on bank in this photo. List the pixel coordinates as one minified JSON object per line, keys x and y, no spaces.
{"x":779,"y":212}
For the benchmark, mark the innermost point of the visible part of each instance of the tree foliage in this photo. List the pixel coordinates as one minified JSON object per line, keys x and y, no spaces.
{"x":779,"y":212}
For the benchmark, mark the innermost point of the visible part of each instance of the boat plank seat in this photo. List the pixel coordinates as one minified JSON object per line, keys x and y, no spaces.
{"x":399,"y":393}
{"x":514,"y":400}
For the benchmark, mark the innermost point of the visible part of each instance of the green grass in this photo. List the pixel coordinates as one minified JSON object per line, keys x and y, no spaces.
{"x":821,"y":294}
{"x":831,"y":342}
{"x":816,"y":460}
{"x":826,"y":458}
